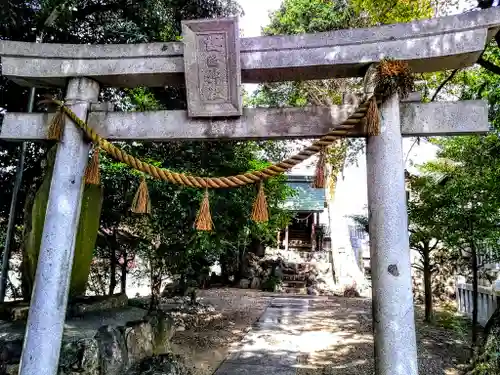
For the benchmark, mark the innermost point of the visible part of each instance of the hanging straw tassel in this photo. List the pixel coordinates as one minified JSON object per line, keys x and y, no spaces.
{"x":372,"y":120}
{"x":141,"y":203}
{"x":56,"y":126}
{"x":319,"y":177}
{"x":93,"y":173}
{"x":203,"y":219}
{"x":259,"y":212}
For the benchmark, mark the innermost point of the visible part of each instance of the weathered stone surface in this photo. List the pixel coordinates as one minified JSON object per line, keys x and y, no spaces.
{"x":440,"y":118}
{"x":80,"y":357}
{"x":85,"y":305}
{"x":12,"y":311}
{"x":113,"y":356}
{"x":312,"y":291}
{"x":212,"y":67}
{"x":97,"y":344}
{"x":244,"y":283}
{"x":90,"y":357}
{"x":256,"y":283}
{"x":10,"y":351}
{"x":139,"y":339}
{"x":160,"y":365}
{"x":163,"y":329}
{"x":429,"y":45}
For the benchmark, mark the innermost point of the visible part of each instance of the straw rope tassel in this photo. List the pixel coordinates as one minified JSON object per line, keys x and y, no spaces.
{"x":141,"y":203}
{"x":260,"y":212}
{"x":319,"y":177}
{"x":56,"y":125}
{"x":93,"y":173}
{"x":204,"y":219}
{"x":372,"y":118}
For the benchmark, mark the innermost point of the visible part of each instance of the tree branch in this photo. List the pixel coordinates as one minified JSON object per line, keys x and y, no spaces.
{"x":448,"y":79}
{"x":435,"y":245}
{"x":489,"y":65}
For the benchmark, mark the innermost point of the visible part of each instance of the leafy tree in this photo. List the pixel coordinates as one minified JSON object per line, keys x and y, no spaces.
{"x":127,"y":21}
{"x":425,"y":230}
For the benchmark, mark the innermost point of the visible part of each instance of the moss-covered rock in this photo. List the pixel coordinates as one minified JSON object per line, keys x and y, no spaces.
{"x":86,"y":235}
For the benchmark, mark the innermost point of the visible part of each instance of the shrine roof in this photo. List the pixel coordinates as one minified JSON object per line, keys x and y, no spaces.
{"x":306,"y":198}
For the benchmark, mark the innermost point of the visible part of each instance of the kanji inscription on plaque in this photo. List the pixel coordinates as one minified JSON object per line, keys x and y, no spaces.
{"x":212,"y":67}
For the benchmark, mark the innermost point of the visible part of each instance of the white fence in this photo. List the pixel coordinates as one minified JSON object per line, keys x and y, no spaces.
{"x":487,"y":301}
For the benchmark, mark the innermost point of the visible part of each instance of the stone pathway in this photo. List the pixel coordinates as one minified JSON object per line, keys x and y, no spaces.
{"x":318,"y":336}
{"x":274,"y":343}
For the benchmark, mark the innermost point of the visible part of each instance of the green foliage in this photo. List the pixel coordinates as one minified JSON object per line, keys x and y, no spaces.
{"x":271,"y":284}
{"x":448,"y":319}
{"x":389,"y":11}
{"x":167,"y":239}
{"x":306,"y":16}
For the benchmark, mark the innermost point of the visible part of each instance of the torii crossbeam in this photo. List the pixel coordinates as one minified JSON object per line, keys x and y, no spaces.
{"x":213,"y":62}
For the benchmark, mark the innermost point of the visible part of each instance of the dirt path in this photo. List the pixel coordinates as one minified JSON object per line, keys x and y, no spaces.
{"x":302,"y":336}
{"x":207,"y":345}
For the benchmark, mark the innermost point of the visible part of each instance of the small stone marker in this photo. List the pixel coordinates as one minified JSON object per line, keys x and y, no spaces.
{"x":212,"y":67}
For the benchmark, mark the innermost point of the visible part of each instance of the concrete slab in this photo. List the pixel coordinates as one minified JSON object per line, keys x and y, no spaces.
{"x":228,"y":368}
{"x":430,"y":45}
{"x":417,"y":119}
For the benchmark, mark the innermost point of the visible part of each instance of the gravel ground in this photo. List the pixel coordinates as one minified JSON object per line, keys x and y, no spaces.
{"x":345,"y":323}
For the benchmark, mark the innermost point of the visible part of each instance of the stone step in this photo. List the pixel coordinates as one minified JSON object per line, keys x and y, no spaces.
{"x":293,"y":290}
{"x":294,"y":283}
{"x":294,"y":278}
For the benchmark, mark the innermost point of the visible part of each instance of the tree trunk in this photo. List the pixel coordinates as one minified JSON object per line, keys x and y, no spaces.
{"x":475,"y":294}
{"x":123,"y":276}
{"x":429,"y":315}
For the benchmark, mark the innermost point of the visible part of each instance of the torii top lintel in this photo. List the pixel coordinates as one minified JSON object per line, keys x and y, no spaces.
{"x":430,"y":45}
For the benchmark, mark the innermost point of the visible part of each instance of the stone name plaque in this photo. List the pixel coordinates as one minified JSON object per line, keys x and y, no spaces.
{"x":212,"y":67}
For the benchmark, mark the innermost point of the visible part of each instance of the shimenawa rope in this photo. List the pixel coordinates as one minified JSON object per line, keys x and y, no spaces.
{"x":343,"y":129}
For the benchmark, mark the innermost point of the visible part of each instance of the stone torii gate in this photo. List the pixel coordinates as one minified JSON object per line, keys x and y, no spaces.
{"x":213,"y":62}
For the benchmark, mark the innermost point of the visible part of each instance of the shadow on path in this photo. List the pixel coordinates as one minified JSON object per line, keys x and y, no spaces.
{"x":331,"y":336}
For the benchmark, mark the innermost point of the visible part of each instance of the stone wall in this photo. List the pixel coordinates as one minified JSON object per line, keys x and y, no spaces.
{"x":112,"y":351}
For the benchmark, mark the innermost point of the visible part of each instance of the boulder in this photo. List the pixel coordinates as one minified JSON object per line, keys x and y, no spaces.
{"x":166,"y":364}
{"x":139,"y":339}
{"x":244,"y":283}
{"x":163,"y":329}
{"x":15,"y":310}
{"x":312,"y":291}
{"x":255,"y":283}
{"x":83,"y":305}
{"x":81,"y":356}
{"x":113,"y":356}
{"x":278,"y":272}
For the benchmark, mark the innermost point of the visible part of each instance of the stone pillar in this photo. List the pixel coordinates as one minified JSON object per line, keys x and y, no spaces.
{"x":47,"y":313}
{"x":286,"y":237}
{"x":313,"y":232}
{"x":393,"y":313}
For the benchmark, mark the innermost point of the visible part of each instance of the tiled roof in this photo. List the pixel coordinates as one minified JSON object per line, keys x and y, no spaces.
{"x":306,"y":198}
